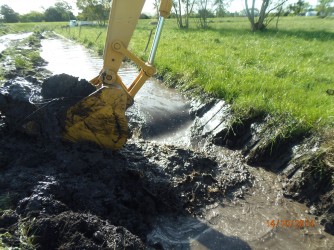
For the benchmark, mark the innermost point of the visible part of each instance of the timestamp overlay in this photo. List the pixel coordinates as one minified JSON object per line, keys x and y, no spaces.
{"x":298,"y":224}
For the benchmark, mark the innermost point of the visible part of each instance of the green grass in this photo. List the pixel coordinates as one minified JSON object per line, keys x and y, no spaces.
{"x":284,"y":71}
{"x":24,"y":27}
{"x":21,"y":62}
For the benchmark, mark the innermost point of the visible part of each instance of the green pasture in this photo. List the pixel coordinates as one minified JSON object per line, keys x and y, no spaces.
{"x":284,"y":71}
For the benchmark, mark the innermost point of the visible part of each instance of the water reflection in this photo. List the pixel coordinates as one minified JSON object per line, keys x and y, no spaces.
{"x":190,"y":233}
{"x":7,"y":39}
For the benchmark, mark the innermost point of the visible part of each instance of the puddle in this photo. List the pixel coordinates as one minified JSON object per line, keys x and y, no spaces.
{"x":244,"y":223}
{"x":6,"y":40}
{"x":21,"y":89}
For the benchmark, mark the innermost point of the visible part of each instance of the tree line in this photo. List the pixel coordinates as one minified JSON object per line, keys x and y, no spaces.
{"x":182,"y":11}
{"x":61,"y":11}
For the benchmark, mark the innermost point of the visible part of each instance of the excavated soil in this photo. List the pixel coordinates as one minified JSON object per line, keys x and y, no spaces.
{"x":59,"y":195}
{"x":84,"y":196}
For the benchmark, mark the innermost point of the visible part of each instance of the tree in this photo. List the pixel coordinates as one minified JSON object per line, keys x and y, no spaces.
{"x":178,"y":13}
{"x":183,"y":9}
{"x":189,"y":5}
{"x":65,"y":9}
{"x":221,"y":6}
{"x":94,"y":10}
{"x":324,"y":7}
{"x":299,"y":7}
{"x":61,"y":11}
{"x":32,"y":16}
{"x":53,"y":15}
{"x":9,"y":15}
{"x":203,"y":13}
{"x":261,"y":21}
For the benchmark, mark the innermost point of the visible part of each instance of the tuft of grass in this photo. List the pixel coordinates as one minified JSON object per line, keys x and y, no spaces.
{"x":26,"y":235}
{"x":35,"y":58}
{"x":21,"y":62}
{"x":1,"y":76}
{"x":4,"y":236}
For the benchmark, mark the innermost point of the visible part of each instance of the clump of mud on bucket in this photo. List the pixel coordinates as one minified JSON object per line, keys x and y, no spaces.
{"x":64,"y":85}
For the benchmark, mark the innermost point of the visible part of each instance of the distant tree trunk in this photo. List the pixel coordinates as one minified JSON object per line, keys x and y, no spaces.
{"x":178,"y":13}
{"x":258,"y":23}
{"x":183,"y":18}
{"x":189,"y":8}
{"x":203,"y":13}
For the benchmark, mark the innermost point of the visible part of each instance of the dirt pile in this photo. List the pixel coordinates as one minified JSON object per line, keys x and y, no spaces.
{"x":57,"y":194}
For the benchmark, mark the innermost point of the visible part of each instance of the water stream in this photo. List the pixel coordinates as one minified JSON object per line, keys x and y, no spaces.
{"x":263,"y":219}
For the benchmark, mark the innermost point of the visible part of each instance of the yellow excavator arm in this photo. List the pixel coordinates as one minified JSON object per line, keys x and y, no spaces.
{"x":100,"y":117}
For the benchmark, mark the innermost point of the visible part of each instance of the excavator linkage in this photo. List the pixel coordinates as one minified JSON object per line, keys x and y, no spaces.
{"x":100,"y":117}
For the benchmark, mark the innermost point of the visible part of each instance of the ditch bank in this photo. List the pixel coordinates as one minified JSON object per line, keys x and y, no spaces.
{"x":59,"y":195}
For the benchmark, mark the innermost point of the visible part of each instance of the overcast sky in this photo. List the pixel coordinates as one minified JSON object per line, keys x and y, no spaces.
{"x":25,"y":6}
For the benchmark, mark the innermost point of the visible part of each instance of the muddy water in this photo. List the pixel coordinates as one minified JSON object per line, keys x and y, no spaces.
{"x":7,"y":39}
{"x":247,"y":223}
{"x":262,"y":219}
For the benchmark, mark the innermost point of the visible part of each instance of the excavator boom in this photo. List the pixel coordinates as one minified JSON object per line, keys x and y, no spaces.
{"x":100,"y":117}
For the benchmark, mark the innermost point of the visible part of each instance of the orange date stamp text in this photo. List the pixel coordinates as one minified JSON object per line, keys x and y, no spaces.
{"x":291,"y":223}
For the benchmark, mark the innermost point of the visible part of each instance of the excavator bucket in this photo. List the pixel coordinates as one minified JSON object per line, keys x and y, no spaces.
{"x":100,"y":117}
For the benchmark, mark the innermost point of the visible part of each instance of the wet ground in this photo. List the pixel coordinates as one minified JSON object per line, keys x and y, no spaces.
{"x":181,"y":182}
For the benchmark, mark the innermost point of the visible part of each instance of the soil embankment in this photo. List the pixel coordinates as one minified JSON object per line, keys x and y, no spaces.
{"x":56,"y":194}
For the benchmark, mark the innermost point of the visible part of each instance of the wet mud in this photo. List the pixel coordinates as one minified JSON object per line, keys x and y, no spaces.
{"x":304,"y":162}
{"x":53,"y":184}
{"x":185,"y":179}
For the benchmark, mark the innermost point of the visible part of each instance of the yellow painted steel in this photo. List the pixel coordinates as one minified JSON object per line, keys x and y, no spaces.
{"x":165,"y":8}
{"x":100,"y":117}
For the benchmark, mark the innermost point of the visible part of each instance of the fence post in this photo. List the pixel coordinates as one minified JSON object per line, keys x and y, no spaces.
{"x":98,"y":36}
{"x":148,"y":41}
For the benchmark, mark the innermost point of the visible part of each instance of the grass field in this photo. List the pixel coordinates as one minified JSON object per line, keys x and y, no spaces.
{"x":285,"y":72}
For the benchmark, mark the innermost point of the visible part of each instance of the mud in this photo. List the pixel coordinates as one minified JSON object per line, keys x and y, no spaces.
{"x":304,"y":162}
{"x":161,"y":189}
{"x":53,"y":184}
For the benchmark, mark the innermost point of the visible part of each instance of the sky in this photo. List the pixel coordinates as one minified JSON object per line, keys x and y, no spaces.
{"x":25,"y":6}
